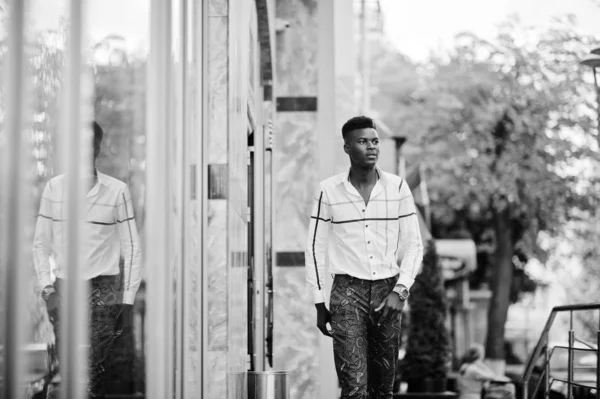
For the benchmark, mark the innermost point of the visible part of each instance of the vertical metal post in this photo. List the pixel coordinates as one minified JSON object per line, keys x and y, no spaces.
{"x":400,"y":164}
{"x":327,"y":132}
{"x":77,"y":149}
{"x":14,"y":190}
{"x":598,"y":351}
{"x":525,"y":390}
{"x":177,"y":141}
{"x":597,"y":101}
{"x":364,"y":56}
{"x":159,"y":322}
{"x":204,"y":43}
{"x":570,"y":365}
{"x":547,"y":369}
{"x":258,"y":223}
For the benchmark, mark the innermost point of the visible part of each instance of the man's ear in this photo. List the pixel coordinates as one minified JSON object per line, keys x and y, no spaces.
{"x":346,"y":148}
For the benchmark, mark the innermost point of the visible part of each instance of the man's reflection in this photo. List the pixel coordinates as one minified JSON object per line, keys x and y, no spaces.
{"x":109,"y":233}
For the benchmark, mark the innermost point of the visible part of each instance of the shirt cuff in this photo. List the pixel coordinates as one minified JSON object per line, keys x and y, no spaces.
{"x":318,"y":296}
{"x":405,"y":280}
{"x":128,"y":297}
{"x":44,"y":282}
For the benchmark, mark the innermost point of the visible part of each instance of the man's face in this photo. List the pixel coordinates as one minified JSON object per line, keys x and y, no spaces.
{"x":362,"y":145}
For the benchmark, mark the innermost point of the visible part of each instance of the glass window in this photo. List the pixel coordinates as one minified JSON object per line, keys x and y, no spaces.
{"x":71,"y":217}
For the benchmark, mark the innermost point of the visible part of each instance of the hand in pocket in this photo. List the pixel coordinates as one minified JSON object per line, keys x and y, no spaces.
{"x":53,"y":303}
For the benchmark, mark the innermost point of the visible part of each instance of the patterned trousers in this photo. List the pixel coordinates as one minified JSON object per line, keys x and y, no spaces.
{"x":365,"y":353}
{"x":104,"y":309}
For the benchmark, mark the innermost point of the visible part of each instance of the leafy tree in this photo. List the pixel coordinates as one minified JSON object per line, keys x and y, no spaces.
{"x":504,"y":128}
{"x":428,"y":346}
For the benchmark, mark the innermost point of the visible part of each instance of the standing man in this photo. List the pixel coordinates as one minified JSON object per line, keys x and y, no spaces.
{"x":359,"y":221}
{"x":109,"y":233}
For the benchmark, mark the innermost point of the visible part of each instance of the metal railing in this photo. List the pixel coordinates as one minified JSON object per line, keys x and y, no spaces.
{"x":542,"y":348}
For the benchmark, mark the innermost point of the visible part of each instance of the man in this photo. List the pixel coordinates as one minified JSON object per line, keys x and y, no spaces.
{"x":109,"y":233}
{"x":360,"y":219}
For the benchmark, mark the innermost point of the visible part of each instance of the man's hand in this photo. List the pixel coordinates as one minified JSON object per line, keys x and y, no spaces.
{"x":50,"y":297}
{"x":390,"y":307}
{"x":323,"y":317}
{"x":125,"y":320}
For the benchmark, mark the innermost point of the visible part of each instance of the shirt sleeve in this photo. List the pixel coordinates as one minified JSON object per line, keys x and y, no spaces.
{"x":42,"y":240}
{"x":410,"y":237}
{"x":130,"y":247}
{"x":316,"y":246}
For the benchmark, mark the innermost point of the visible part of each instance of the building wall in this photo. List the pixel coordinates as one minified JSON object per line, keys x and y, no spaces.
{"x":234,"y":93}
{"x":296,"y":343}
{"x":308,"y":148}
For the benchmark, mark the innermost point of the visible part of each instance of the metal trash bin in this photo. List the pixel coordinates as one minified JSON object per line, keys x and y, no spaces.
{"x":237,"y":385}
{"x":268,"y":385}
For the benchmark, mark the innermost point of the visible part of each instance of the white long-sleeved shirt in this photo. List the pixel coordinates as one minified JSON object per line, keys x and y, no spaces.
{"x":109,"y":232}
{"x":363,"y":240}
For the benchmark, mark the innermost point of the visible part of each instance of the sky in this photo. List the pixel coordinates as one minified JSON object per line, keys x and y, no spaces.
{"x":418,"y":27}
{"x":128,"y":18}
{"x":414,"y":27}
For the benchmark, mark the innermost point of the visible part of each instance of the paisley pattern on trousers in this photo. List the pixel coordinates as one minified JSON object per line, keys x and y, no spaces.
{"x":365,"y":353}
{"x":104,"y":309}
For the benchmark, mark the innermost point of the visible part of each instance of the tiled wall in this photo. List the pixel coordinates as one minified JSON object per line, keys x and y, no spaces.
{"x":296,"y":344}
{"x":230,"y":24}
{"x":237,"y":223}
{"x":192,"y":344}
{"x":216,"y":234}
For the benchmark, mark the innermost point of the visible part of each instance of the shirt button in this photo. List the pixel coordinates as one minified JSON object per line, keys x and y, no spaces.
{"x":373,"y":273}
{"x":363,"y":210}
{"x":368,"y":242}
{"x":366,"y":225}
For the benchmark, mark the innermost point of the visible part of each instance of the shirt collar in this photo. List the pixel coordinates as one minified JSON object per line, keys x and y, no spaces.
{"x":102,"y":178}
{"x":380,"y":176}
{"x":382,"y":181}
{"x":101,"y":181}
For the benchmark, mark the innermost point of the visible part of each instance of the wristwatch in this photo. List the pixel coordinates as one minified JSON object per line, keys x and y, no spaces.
{"x":47,"y":291}
{"x":402,"y":292}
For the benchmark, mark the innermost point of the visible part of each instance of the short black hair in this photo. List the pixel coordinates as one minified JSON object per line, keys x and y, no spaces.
{"x":358,"y":122}
{"x":98,"y":132}
{"x":98,"y":135}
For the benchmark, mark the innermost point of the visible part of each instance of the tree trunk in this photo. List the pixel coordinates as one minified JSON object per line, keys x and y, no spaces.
{"x":501,"y":279}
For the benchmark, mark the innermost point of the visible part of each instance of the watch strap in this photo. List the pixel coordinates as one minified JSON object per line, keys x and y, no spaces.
{"x":402,"y":292}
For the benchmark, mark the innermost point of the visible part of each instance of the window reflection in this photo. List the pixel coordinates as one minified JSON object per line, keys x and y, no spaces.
{"x":119,"y":82}
{"x":118,"y":61}
{"x":116,"y":57}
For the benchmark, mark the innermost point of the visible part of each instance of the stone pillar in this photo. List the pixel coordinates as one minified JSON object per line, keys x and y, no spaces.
{"x":326,"y":128}
{"x":216,"y":233}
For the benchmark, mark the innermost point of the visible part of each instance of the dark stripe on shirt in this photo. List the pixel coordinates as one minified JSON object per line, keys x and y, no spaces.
{"x":87,"y":221}
{"x":50,"y":218}
{"x":101,"y":223}
{"x":315,"y":239}
{"x":370,"y":219}
{"x":131,"y":239}
{"x":112,"y":223}
{"x":407,"y":215}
